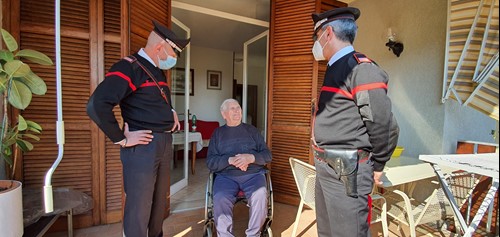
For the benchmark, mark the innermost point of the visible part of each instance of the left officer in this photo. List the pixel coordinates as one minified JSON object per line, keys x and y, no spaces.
{"x":138,"y":84}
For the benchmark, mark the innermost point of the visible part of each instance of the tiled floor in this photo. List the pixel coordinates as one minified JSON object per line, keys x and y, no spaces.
{"x":192,"y":196}
{"x":187,"y":217}
{"x":190,"y":224}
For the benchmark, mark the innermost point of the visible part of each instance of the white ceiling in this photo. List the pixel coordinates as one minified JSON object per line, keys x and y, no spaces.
{"x":222,"y":24}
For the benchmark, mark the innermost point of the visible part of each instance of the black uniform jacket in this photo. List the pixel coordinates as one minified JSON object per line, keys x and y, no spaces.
{"x":354,"y":111}
{"x":140,"y":100}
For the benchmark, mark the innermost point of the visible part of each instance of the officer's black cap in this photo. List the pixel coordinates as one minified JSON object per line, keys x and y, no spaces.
{"x":320,"y":19}
{"x":165,"y":33}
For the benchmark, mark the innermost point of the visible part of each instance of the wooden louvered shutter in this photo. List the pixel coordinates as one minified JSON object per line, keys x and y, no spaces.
{"x":77,"y":170}
{"x":95,"y":35}
{"x":140,"y":25}
{"x":111,"y":186}
{"x":293,"y":84}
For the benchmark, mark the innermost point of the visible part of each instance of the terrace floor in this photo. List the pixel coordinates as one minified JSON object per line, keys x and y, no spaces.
{"x":187,"y":218}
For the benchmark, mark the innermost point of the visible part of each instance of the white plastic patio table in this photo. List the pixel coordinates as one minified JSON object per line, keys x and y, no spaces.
{"x":484,"y":164}
{"x":401,"y":175}
{"x":405,"y":170}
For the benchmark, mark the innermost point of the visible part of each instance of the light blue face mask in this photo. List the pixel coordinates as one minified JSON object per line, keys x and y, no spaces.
{"x":167,"y":63}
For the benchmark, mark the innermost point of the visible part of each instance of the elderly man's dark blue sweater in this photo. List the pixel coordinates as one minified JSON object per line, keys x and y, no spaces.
{"x":229,"y":141}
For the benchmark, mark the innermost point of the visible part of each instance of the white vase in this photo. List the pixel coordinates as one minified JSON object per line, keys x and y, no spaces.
{"x":11,"y":209}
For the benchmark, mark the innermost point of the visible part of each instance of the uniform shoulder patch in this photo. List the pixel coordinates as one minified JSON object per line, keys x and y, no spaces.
{"x":130,"y":59}
{"x":361,"y":58}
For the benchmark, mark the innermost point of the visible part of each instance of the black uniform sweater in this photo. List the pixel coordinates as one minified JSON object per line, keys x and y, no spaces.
{"x":140,"y":100}
{"x":354,"y":111}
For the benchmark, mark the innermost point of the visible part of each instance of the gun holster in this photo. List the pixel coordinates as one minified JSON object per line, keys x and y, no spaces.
{"x":345,"y":164}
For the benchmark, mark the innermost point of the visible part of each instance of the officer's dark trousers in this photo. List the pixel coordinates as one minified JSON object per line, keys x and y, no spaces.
{"x":337,"y":214}
{"x":145,"y":176}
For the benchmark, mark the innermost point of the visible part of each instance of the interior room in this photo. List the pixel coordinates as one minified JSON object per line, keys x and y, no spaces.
{"x":228,"y":45}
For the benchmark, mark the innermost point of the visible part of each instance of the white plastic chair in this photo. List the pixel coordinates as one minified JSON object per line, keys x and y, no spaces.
{"x":462,"y":185}
{"x":414,"y":207}
{"x":305,"y":178}
{"x":379,"y":211}
{"x":409,"y":206}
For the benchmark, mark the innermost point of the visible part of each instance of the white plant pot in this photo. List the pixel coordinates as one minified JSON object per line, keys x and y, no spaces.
{"x":11,"y":209}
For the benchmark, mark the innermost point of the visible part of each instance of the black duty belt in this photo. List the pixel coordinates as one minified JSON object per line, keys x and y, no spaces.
{"x":152,"y":130}
{"x":321,"y":155}
{"x":345,"y":163}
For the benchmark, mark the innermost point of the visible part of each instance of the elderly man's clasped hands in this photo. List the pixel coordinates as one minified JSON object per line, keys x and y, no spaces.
{"x":241,"y":161}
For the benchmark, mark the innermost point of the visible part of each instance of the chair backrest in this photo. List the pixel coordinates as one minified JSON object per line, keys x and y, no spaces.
{"x":206,"y":128}
{"x":305,"y":178}
{"x":462,"y":185}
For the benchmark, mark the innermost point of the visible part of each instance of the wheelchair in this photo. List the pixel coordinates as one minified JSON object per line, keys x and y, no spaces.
{"x":209,"y":227}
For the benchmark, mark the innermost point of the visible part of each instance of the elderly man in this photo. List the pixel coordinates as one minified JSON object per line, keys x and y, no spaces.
{"x":138,"y":84}
{"x":354,"y":130}
{"x":237,"y":154}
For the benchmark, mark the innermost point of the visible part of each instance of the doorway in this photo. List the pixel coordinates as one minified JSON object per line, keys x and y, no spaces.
{"x":254,"y":96}
{"x":219,"y":31}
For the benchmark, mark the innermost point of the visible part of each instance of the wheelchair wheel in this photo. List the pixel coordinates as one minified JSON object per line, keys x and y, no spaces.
{"x":209,"y":229}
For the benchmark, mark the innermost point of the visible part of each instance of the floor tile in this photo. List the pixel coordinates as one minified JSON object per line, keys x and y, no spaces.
{"x":186,"y":220}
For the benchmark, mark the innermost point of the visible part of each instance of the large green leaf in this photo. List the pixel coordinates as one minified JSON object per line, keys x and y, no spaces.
{"x":34,"y":56}
{"x":32,"y":136}
{"x":20,"y":95}
{"x":34,"y":127}
{"x":21,"y":125}
{"x":24,"y":145}
{"x":9,"y":141}
{"x":17,"y":68}
{"x":35,"y":83}
{"x":9,"y":40}
{"x":6,"y":55}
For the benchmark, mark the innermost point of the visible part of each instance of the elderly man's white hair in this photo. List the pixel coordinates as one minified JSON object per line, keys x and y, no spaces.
{"x":223,"y":106}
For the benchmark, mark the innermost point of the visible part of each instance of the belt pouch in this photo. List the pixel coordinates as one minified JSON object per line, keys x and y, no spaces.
{"x":345,"y":163}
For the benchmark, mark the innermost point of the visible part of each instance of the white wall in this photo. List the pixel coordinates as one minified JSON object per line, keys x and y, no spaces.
{"x":466,"y":124}
{"x":426,"y":125}
{"x":205,"y":103}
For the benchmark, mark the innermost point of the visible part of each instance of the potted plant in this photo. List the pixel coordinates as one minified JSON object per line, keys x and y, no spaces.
{"x":17,"y":86}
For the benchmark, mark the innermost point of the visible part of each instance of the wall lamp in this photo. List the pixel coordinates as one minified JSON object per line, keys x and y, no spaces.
{"x":395,"y":46}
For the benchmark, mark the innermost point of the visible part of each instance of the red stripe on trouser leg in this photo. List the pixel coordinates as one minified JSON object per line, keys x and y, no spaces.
{"x":369,"y":219}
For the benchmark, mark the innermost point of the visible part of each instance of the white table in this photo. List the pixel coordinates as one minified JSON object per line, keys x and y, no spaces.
{"x":401,"y":175}
{"x":405,"y":169}
{"x":484,"y":164}
{"x":196,"y":141}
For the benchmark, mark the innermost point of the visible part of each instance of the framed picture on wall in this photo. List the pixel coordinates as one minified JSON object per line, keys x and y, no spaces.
{"x":178,"y":82}
{"x":214,"y":80}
